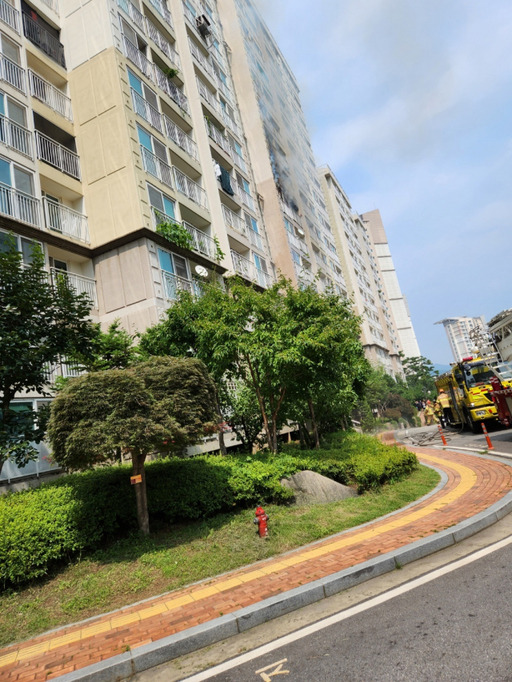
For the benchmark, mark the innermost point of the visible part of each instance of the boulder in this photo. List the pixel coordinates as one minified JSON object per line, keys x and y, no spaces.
{"x":312,"y":488}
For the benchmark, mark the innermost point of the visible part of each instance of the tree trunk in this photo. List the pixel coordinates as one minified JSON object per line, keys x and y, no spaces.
{"x":140,"y":491}
{"x":314,"y":424}
{"x":222,"y":444}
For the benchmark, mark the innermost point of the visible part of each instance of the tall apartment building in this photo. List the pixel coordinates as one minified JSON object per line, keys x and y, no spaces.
{"x":363,"y":276}
{"x":396,"y":298}
{"x":300,"y":235}
{"x":458,"y":330}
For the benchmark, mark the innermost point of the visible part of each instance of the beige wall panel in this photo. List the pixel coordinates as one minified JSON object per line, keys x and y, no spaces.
{"x":116,"y":152}
{"x":110,"y":291}
{"x":95,"y":87}
{"x":135,"y":268}
{"x":85,"y":43}
{"x":92,"y":158}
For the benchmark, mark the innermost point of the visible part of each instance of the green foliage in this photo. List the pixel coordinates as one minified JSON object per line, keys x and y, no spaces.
{"x":80,"y":511}
{"x":420,"y":375}
{"x":219,"y":253}
{"x":176,"y":233}
{"x":41,"y":321}
{"x":113,"y":349}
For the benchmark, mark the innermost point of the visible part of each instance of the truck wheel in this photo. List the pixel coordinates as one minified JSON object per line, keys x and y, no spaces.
{"x":472,"y":425}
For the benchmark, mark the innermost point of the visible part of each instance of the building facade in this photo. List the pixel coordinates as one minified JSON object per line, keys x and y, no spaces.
{"x":458,"y":331}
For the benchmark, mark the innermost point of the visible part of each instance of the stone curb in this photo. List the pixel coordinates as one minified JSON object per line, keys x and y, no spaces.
{"x":142,"y":658}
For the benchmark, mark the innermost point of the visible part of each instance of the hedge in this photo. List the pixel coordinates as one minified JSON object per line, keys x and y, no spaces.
{"x":78,"y":512}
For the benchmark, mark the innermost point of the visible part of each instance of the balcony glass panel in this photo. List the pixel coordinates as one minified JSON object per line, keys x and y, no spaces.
{"x":217,"y":136}
{"x":173,"y":284}
{"x":45,"y":92}
{"x":162,"y":42}
{"x":234,"y":221}
{"x":57,"y":155}
{"x":162,"y":10}
{"x":171,"y":89}
{"x":19,"y":205}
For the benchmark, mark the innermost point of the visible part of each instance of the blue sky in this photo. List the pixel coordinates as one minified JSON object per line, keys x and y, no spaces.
{"x":410,"y":103}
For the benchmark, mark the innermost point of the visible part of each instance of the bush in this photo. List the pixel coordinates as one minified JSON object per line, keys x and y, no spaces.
{"x":80,"y":511}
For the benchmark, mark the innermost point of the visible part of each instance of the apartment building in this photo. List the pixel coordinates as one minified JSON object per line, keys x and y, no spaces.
{"x":364,"y":278}
{"x":459,"y":331}
{"x":300,"y":235}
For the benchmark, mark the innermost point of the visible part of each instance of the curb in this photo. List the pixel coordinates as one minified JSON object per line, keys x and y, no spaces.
{"x":148,"y":656}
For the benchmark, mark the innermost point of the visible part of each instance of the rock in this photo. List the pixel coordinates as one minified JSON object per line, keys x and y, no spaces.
{"x":310,"y":488}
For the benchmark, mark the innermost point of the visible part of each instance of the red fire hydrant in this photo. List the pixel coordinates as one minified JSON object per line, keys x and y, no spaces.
{"x":261,"y":519}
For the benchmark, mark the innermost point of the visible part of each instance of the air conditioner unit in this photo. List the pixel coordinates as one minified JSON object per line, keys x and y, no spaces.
{"x":203,"y":25}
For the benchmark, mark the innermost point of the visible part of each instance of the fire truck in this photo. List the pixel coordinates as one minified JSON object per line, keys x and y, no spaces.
{"x":501,"y":394}
{"x":469,"y":388}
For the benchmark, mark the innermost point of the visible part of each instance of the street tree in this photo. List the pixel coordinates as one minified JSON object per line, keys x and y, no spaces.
{"x":114,"y":348}
{"x":159,"y":406}
{"x":419,"y":375}
{"x":41,"y":321}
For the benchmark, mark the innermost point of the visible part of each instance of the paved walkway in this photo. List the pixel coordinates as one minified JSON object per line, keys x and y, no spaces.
{"x":473,"y":485}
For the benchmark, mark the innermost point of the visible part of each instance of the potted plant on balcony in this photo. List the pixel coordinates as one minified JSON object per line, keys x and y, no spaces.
{"x":176,"y":233}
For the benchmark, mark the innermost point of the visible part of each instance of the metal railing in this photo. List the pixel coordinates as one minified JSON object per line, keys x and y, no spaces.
{"x":52,"y":4}
{"x":234,"y":221}
{"x":245,"y":197}
{"x":217,"y":136}
{"x":202,"y":243}
{"x":189,"y":15}
{"x":190,"y":188}
{"x":9,"y":15}
{"x":19,"y":205}
{"x":174,"y":283}
{"x":15,"y":136}
{"x":207,"y":95}
{"x":144,"y":109}
{"x":12,"y":73}
{"x":180,"y":137}
{"x":170,"y":89}
{"x":156,"y":167}
{"x":256,"y":240}
{"x":47,"y":93}
{"x":80,"y":284}
{"x":162,"y":42}
{"x":239,"y":160}
{"x":57,"y":155}
{"x":231,"y":123}
{"x":133,"y":12}
{"x":43,"y":39}
{"x":137,"y":57}
{"x":65,"y":220}
{"x":203,"y":61}
{"x":162,"y":10}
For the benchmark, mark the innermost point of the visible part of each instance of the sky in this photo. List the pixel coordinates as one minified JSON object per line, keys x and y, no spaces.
{"x":410,"y":104}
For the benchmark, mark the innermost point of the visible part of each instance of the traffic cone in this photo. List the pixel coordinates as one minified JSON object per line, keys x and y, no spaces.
{"x":442,"y":434}
{"x":490,"y":446}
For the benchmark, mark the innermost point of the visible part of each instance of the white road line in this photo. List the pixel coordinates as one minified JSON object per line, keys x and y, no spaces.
{"x":348,"y":613}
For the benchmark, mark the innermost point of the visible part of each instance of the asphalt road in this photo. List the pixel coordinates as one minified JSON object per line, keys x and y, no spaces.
{"x":501,"y":439}
{"x":456,"y":627}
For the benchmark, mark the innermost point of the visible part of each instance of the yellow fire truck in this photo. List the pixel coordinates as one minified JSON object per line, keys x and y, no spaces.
{"x":468,"y":388}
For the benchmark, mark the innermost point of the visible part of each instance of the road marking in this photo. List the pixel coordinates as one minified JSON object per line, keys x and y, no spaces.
{"x":277,"y":670}
{"x":347,"y":613}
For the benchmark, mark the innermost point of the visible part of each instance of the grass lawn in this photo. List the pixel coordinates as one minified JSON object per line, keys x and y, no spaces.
{"x":136,"y":568}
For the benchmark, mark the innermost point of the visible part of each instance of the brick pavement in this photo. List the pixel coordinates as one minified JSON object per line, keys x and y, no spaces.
{"x":473,"y":484}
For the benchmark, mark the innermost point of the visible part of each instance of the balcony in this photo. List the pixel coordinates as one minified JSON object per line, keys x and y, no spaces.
{"x":173,"y":284}
{"x":180,"y":137}
{"x":170,"y":89}
{"x":15,"y":137}
{"x":207,"y":95}
{"x":57,"y":155}
{"x":138,"y":58}
{"x":80,"y":284}
{"x":162,"y":10}
{"x":47,"y":93}
{"x":200,"y":58}
{"x":12,"y":73}
{"x":156,"y":167}
{"x":144,"y":109}
{"x":133,"y":12}
{"x":239,"y":160}
{"x":64,"y":220}
{"x":19,"y":205}
{"x":9,"y":15}
{"x":234,"y":221}
{"x":202,"y":243}
{"x":255,"y":239}
{"x":162,"y":42}
{"x":246,"y":268}
{"x":245,"y":197}
{"x":218,"y":137}
{"x":190,"y":188}
{"x":43,"y":39}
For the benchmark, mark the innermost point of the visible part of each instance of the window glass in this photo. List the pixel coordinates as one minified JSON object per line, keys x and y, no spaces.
{"x":144,"y":138}
{"x":159,"y":150}
{"x":165,"y":261}
{"x":16,"y":112}
{"x":168,"y":206}
{"x":5,"y":172}
{"x":28,"y":248}
{"x":180,"y":265}
{"x":135,"y":83}
{"x":10,"y":50}
{"x":23,"y":181}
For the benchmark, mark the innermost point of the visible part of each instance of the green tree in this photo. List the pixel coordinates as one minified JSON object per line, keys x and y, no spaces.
{"x":158,"y":406}
{"x":40,"y":322}
{"x":419,"y":375}
{"x":113,"y":349}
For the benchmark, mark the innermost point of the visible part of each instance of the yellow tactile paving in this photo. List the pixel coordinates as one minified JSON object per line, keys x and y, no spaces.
{"x":467,"y":481}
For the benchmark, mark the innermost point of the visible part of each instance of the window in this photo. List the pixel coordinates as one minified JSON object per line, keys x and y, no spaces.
{"x":296,"y":257}
{"x":152,"y":144}
{"x":173,"y":264}
{"x":26,"y":247}
{"x":260,"y":263}
{"x":162,"y":205}
{"x":251,"y":223}
{"x":10,"y":49}
{"x":143,"y":90}
{"x":132,"y":36}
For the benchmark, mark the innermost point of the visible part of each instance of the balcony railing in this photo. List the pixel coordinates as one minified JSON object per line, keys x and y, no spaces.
{"x":162,"y":10}
{"x":57,"y":155}
{"x":173,"y":284}
{"x":239,"y":160}
{"x":245,"y":197}
{"x":201,"y":59}
{"x":15,"y":136}
{"x":180,"y":137}
{"x":12,"y":73}
{"x":162,"y":42}
{"x":234,"y":221}
{"x":19,"y":205}
{"x":207,"y":95}
{"x":80,"y":284}
{"x":144,"y":109}
{"x":156,"y":167}
{"x":52,"y":4}
{"x":218,"y":137}
{"x":170,"y":89}
{"x":202,"y":243}
{"x":43,"y":39}
{"x":256,"y":240}
{"x":190,"y":188}
{"x":231,"y":123}
{"x":65,"y":220}
{"x":9,"y":15}
{"x":137,"y":57}
{"x":44,"y":91}
{"x":133,"y":12}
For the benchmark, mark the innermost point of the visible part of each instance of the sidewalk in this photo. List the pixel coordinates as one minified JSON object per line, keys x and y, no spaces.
{"x":473,"y":494}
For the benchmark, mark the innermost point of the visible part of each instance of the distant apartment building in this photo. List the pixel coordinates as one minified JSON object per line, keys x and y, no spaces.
{"x":397,"y":300}
{"x":500,"y":330}
{"x":362,"y":273}
{"x":458,"y":331}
